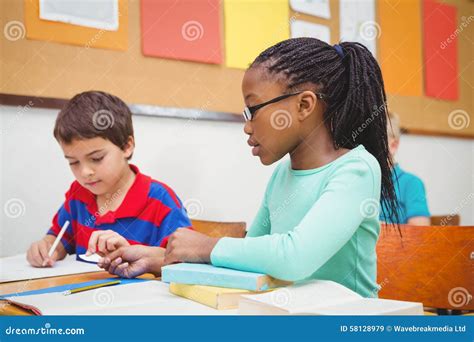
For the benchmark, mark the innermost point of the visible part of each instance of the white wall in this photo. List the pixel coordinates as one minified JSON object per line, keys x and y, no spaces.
{"x":208,"y":162}
{"x":446,"y":166}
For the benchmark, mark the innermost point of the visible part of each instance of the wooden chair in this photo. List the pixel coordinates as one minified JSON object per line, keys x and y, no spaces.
{"x":433,"y":265}
{"x":445,"y":220}
{"x":220,"y":229}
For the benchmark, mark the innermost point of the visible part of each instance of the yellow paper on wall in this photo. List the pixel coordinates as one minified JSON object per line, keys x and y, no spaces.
{"x":253,"y":26}
{"x":87,"y":37}
{"x":400,"y":46}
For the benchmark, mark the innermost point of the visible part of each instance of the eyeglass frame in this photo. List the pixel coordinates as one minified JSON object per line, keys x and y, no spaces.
{"x":249,"y":112}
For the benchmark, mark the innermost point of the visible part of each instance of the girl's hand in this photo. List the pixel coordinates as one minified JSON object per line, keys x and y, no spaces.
{"x":105,"y":241}
{"x":186,"y":245}
{"x":37,"y":254}
{"x":132,"y":261}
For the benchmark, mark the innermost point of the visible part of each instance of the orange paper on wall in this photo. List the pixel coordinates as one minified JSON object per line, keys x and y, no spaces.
{"x":73,"y":34}
{"x":400,"y":46}
{"x":441,"y":50}
{"x":182,"y":29}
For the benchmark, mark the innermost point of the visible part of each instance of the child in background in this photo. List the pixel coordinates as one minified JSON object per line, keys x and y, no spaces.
{"x":411,"y":195}
{"x":325,"y":107}
{"x":111,"y":204}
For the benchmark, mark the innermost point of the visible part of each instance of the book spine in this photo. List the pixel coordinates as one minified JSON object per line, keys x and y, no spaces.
{"x":197,"y":295}
{"x":219,"y":280}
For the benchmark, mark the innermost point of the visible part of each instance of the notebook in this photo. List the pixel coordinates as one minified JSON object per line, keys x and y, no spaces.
{"x":136,"y":298}
{"x":204,"y":274}
{"x":17,"y":268}
{"x":322,"y":297}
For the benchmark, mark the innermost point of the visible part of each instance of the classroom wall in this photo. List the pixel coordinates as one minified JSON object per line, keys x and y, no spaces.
{"x":39,"y":68}
{"x":207,"y":163}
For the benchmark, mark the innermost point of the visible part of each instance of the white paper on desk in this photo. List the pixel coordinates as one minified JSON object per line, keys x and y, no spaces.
{"x":89,"y":258}
{"x":100,"y":14}
{"x":357,"y":23}
{"x":17,"y":268}
{"x":143,"y":298}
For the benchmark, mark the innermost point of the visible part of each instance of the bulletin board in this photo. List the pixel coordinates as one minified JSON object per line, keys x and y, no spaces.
{"x":53,"y":70}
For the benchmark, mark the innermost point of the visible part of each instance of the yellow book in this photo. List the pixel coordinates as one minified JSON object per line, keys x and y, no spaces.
{"x":220,"y":298}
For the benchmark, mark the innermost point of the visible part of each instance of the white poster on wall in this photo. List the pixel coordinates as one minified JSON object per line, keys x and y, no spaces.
{"x":357,"y":23}
{"x":301,"y":28}
{"x":100,"y":14}
{"x":318,"y":8}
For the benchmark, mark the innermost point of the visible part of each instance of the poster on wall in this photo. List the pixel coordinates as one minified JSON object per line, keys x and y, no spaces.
{"x":102,"y":26}
{"x":101,"y":14}
{"x":440,"y":50}
{"x":357,"y":23}
{"x":317,"y":8}
{"x":182,"y":29}
{"x":400,"y":47}
{"x":251,"y":27}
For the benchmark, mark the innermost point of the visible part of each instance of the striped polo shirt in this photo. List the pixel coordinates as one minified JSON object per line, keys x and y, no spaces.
{"x":149,"y":213}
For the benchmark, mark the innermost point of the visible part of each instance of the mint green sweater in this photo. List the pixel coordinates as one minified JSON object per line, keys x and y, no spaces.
{"x":315,"y":224}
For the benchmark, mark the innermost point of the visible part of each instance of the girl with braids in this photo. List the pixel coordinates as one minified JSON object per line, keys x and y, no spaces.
{"x":325,"y":107}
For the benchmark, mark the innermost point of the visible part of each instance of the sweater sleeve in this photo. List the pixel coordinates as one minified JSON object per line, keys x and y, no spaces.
{"x":347,"y":199}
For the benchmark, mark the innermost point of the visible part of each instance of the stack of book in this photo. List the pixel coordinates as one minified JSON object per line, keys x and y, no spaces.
{"x":260,"y":294}
{"x":217,"y":287}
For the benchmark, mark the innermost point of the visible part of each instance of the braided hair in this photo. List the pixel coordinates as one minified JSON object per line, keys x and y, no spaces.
{"x":356,"y":105}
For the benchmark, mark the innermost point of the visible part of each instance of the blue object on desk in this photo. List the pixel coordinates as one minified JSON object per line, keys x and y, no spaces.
{"x":66,"y":287}
{"x":205,"y":274}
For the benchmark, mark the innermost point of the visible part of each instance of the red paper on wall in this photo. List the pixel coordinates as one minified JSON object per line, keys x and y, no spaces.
{"x":440,"y":50}
{"x":182,"y":29}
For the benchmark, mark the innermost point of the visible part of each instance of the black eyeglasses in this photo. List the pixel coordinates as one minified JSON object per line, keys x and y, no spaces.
{"x":249,"y":112}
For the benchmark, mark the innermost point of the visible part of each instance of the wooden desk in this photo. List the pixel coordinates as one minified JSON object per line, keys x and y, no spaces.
{"x":42,"y":283}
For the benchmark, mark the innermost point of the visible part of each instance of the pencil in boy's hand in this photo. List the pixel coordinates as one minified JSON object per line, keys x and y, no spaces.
{"x":56,"y":242}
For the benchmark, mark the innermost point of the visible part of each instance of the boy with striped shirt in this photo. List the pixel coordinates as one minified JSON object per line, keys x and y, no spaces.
{"x":111,"y":203}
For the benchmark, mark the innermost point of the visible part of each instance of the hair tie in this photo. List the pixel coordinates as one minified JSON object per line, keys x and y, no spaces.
{"x":339,"y":50}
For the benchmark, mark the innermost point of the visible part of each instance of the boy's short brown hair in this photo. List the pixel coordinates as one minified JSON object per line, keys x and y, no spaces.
{"x":94,"y":114}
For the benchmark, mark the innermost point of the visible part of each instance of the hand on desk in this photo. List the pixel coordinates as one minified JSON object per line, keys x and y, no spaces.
{"x":184,"y":245}
{"x":132,"y":261}
{"x":37,"y":254}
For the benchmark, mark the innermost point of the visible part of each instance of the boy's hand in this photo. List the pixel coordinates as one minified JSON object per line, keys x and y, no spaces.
{"x":132,"y":261}
{"x":105,"y":241}
{"x":37,"y":254}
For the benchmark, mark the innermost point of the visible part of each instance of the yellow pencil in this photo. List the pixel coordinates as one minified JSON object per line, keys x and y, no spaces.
{"x":91,"y":287}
